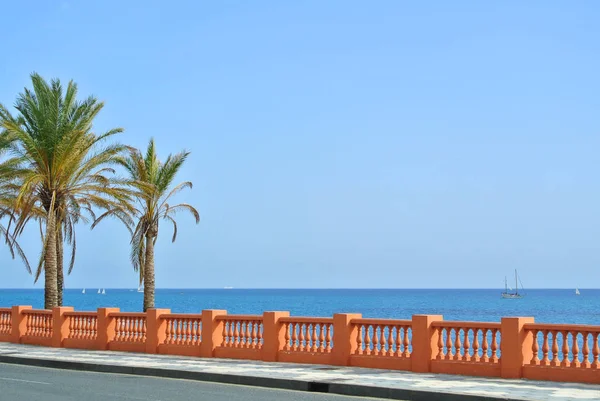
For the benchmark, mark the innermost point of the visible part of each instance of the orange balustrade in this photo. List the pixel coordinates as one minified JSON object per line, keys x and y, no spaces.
{"x":183,"y":334}
{"x":470,"y":348}
{"x":38,"y":327}
{"x":242,"y":336}
{"x":130,"y":332}
{"x":82,"y":329}
{"x":382,"y":343}
{"x":563,"y":352}
{"x":514,"y":348}
{"x":306,"y":339}
{"x":5,"y":324}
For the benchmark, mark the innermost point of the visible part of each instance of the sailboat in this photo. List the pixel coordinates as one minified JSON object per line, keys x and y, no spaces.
{"x":103,"y":291}
{"x":512,"y":295}
{"x":83,"y":291}
{"x":98,"y":290}
{"x":577,"y":291}
{"x":140,"y":289}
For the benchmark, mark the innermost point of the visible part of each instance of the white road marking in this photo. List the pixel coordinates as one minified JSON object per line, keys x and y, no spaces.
{"x":21,"y":380}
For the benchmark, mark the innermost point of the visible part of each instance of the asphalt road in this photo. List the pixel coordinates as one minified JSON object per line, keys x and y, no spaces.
{"x":21,"y":383}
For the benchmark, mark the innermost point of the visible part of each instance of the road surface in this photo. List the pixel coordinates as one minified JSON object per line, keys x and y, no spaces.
{"x":19,"y":383}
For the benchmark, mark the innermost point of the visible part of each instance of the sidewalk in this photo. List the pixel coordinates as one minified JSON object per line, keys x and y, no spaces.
{"x":338,"y":380}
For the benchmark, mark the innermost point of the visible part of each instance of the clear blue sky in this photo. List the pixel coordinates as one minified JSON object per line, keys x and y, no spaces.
{"x":340,"y":143}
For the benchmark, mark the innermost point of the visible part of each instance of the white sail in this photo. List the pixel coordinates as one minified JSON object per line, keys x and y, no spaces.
{"x":140,"y":289}
{"x":98,"y":290}
{"x":577,"y":291}
{"x":83,"y":291}
{"x":103,"y":291}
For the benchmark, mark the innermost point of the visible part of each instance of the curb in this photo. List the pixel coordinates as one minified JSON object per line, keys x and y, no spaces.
{"x":267,"y":382}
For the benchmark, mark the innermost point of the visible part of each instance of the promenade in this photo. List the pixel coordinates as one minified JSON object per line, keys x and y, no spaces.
{"x":312,"y":378}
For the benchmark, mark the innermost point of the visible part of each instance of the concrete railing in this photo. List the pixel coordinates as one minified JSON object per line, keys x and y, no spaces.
{"x":514,"y":348}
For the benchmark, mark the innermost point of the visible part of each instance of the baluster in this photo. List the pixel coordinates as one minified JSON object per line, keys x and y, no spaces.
{"x":535,"y":349}
{"x":375,"y":340}
{"x":384,"y":346}
{"x":494,"y":346}
{"x":85,"y":332}
{"x":301,"y":337}
{"x":224,"y":334}
{"x":565,"y":348}
{"x":328,"y":328}
{"x":247,"y":339}
{"x":314,"y":338}
{"x":440,"y":343}
{"x":144,"y":329}
{"x":405,"y":342}
{"x":397,"y":342}
{"x":322,"y":329}
{"x":178,"y":323}
{"x":72,"y":332}
{"x":367,"y":339}
{"x":466,"y":345}
{"x":545,"y":349}
{"x":586,"y":351}
{"x":287,"y":347}
{"x":449,"y":353}
{"x":188,"y":331}
{"x":390,"y":340}
{"x":359,"y":343}
{"x":127,"y":329}
{"x":555,"y":361}
{"x":196,"y":332}
{"x":169,"y":322}
{"x":595,"y":351}
{"x":476,"y":356}
{"x":295,"y":327}
{"x":457,"y":345}
{"x":231,"y":332}
{"x":259,"y":343}
{"x":236,"y":333}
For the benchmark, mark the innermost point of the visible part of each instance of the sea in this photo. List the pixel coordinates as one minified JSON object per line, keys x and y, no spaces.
{"x":545,"y":305}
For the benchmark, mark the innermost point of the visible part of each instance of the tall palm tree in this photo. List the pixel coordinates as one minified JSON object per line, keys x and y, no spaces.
{"x":152,"y":181}
{"x":65,"y":168}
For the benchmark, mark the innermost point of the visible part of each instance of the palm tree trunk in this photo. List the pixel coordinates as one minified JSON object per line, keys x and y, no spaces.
{"x":60,"y":278}
{"x":50,"y":288}
{"x":149,"y":273}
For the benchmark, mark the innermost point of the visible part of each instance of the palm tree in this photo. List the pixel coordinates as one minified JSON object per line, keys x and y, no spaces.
{"x":65,"y":169}
{"x":152,"y":181}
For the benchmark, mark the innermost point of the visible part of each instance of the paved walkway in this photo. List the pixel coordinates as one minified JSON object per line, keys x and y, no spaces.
{"x":340,"y":380}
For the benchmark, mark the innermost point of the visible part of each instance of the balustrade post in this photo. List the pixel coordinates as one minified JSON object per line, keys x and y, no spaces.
{"x":106,"y":327}
{"x":155,"y":329}
{"x":515,"y":346}
{"x":212,"y":332}
{"x":424,"y":342}
{"x":18,"y":323}
{"x":273,"y":335}
{"x":344,"y":338}
{"x":60,"y":325}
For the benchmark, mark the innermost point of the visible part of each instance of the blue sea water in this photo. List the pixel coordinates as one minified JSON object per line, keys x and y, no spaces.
{"x":546,"y":306}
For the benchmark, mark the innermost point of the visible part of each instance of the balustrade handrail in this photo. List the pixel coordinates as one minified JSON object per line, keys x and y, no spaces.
{"x":5,"y":309}
{"x":382,"y":322}
{"x":305,"y":319}
{"x":36,"y":312}
{"x":127,"y":314}
{"x":75,"y":313}
{"x":239,"y":317}
{"x":180,"y":316}
{"x":465,"y":325}
{"x":562,"y":327}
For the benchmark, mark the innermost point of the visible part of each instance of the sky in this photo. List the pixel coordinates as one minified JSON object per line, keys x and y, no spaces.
{"x":338,"y":143}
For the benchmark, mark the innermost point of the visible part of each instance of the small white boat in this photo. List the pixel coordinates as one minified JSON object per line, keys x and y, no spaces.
{"x":103,"y":291}
{"x":98,"y":290}
{"x":83,"y":291}
{"x":577,"y":291}
{"x":512,"y":295}
{"x":228,"y":288}
{"x":140,"y":289}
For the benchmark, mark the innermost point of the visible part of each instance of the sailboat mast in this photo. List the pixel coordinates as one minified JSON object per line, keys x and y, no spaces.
{"x":516,"y":283}
{"x":505,"y":285}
